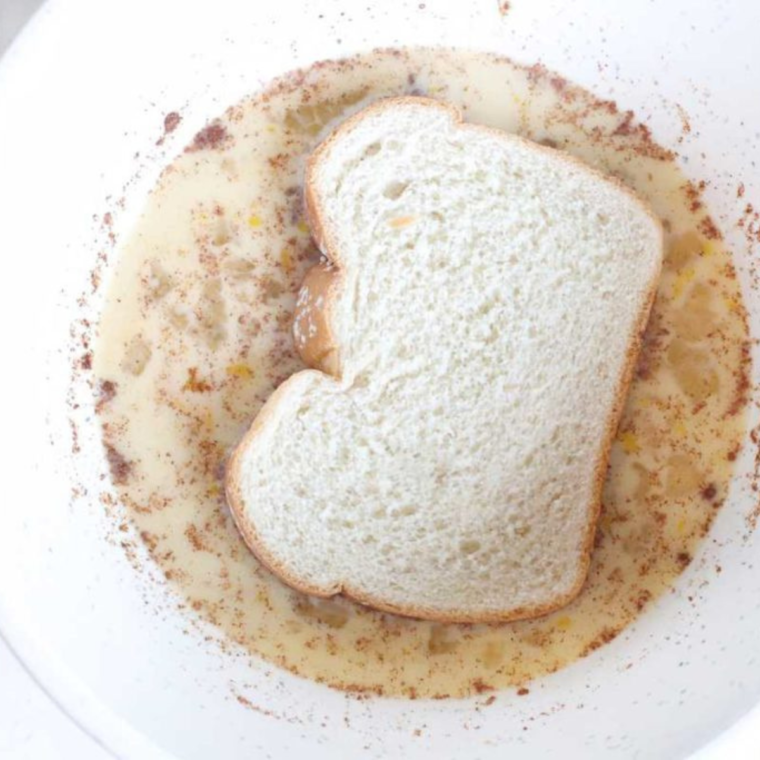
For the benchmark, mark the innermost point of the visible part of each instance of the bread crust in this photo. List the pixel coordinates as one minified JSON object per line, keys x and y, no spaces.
{"x":320,"y":350}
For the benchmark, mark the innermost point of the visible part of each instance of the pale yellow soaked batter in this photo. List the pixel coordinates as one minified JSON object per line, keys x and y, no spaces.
{"x":196,"y":334}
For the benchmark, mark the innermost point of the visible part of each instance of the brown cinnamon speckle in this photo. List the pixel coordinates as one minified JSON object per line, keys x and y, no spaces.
{"x":196,"y":540}
{"x":118,"y":464}
{"x":214,"y":136}
{"x":683,"y":559}
{"x":479,"y":686}
{"x":708,"y":229}
{"x":709,"y":492}
{"x":195,"y":384}
{"x":106,"y":393}
{"x":171,"y":121}
{"x":604,"y":637}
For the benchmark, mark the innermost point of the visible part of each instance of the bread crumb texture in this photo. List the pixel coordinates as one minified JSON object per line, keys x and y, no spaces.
{"x":453,"y":472}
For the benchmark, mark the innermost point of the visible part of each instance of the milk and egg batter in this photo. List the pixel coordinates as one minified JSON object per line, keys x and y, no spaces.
{"x":195,"y":335}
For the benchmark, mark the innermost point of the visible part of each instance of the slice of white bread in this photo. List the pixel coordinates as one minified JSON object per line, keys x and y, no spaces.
{"x":479,"y":317}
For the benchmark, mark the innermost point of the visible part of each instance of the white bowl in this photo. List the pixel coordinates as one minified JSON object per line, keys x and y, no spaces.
{"x":82,"y":91}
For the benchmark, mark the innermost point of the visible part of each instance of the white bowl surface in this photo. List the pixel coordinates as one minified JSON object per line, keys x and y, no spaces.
{"x":82,"y":91}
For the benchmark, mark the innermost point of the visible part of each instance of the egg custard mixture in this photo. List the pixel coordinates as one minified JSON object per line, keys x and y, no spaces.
{"x":196,"y":334}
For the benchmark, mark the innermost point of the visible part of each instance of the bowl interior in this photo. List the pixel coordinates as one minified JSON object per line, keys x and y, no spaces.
{"x":109,"y":642}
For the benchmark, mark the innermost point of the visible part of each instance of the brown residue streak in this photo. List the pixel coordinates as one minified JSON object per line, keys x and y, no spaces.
{"x":149,"y":539}
{"x":194,"y":384}
{"x":708,"y":229}
{"x":754,"y":515}
{"x":743,"y":383}
{"x":685,"y":123}
{"x":606,"y":635}
{"x":536,"y":72}
{"x":577,"y":107}
{"x":694,"y":195}
{"x":171,"y":121}
{"x":195,"y":538}
{"x":740,"y":190}
{"x":361,"y":689}
{"x":245,"y":702}
{"x":683,"y":559}
{"x":86,"y":361}
{"x":118,"y":464}
{"x":641,"y":600}
{"x":559,"y":84}
{"x":106,"y":392}
{"x":504,"y":7}
{"x":75,"y":447}
{"x":626,"y":125}
{"x":750,"y":223}
{"x":214,"y":136}
{"x":279,"y":161}
{"x":645,"y":146}
{"x":211,"y":459}
{"x":479,"y":686}
{"x":522,"y":691}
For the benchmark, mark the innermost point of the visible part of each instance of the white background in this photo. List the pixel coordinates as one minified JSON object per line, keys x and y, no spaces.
{"x":31,"y":726}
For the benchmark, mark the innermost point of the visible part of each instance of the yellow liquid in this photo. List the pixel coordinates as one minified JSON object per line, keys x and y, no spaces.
{"x":196,"y":334}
